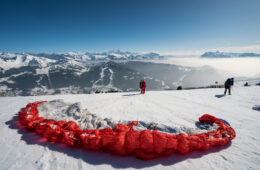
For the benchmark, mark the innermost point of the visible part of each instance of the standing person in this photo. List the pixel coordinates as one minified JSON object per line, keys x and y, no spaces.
{"x":229,"y":82}
{"x":142,"y":86}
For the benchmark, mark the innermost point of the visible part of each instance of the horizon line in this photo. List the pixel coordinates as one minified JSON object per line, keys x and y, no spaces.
{"x":230,"y":49}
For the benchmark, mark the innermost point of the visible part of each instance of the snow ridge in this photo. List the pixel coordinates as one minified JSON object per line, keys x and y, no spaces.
{"x":17,"y":60}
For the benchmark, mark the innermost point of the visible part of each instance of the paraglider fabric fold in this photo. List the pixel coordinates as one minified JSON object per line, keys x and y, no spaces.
{"x":123,"y":139}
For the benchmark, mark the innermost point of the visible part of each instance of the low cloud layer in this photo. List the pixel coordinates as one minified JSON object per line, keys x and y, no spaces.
{"x":236,"y":49}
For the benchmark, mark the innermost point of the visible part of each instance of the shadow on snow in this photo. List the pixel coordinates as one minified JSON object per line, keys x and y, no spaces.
{"x":219,"y":95}
{"x":132,"y":94}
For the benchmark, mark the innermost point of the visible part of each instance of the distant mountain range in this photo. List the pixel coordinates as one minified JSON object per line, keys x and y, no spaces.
{"x":219,"y":54}
{"x":41,"y":74}
{"x":42,"y":59}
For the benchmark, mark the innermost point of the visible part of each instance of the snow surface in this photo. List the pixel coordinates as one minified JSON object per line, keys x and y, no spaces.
{"x":22,"y":149}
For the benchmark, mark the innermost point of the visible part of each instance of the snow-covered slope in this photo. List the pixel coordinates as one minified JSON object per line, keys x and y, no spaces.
{"x":11,"y":60}
{"x":72,"y":76}
{"x":21,"y":149}
{"x":17,"y":60}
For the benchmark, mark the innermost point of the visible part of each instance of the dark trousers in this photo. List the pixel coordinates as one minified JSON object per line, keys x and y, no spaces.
{"x":227,"y":88}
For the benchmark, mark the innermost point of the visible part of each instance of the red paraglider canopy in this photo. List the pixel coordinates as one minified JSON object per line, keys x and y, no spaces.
{"x":123,"y":139}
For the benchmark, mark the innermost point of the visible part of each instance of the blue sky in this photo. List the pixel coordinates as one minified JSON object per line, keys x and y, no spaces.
{"x":134,"y":25}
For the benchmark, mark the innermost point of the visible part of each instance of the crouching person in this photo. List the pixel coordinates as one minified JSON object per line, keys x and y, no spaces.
{"x":229,"y":82}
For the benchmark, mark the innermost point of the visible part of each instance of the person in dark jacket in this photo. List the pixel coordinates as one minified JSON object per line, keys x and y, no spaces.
{"x":229,"y":82}
{"x":142,"y":86}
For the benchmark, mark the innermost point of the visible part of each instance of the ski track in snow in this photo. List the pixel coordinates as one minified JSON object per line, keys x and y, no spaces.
{"x":101,"y":79}
{"x":21,"y":149}
{"x":49,"y":79}
{"x":111,"y":78}
{"x":3,"y":79}
{"x":179,"y":82}
{"x":95,"y":84}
